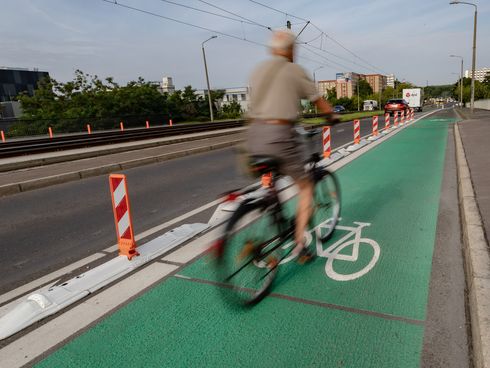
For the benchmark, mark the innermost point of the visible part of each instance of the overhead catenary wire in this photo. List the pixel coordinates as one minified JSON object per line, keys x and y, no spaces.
{"x":250,"y":21}
{"x":207,"y":12}
{"x":118,"y":3}
{"x":320,"y":30}
{"x":322,"y":63}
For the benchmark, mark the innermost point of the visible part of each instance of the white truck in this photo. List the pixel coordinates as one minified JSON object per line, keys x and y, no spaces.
{"x":414,"y":97}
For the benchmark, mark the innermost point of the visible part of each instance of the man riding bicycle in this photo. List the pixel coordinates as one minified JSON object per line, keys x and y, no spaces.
{"x":277,"y":87}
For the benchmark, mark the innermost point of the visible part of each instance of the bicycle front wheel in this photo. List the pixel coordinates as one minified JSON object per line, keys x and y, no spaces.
{"x":326,"y":210}
{"x":248,"y":260}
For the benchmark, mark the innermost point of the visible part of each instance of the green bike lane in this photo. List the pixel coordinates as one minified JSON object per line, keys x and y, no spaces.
{"x":310,"y":319}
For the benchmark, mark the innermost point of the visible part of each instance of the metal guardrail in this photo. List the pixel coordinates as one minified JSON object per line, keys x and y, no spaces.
{"x":40,"y":145}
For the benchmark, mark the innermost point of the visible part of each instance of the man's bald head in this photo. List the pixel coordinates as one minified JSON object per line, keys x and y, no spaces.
{"x":282,"y":43}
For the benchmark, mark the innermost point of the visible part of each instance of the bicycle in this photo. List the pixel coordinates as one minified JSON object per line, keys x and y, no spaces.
{"x":250,"y":250}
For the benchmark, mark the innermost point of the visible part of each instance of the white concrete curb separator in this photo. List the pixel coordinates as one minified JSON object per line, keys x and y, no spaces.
{"x":477,"y":260}
{"x":44,"y":303}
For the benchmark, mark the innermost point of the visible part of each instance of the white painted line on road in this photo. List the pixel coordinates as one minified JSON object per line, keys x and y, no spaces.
{"x":49,"y":277}
{"x":160,"y":227}
{"x":37,"y":342}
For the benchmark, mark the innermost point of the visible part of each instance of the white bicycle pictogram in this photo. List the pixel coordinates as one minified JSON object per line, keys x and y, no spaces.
{"x":352,"y":239}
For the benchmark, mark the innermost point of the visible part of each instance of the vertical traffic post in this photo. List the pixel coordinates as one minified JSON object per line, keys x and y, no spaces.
{"x":3,"y":136}
{"x":89,"y":130}
{"x":396,"y":119}
{"x":170,"y":122}
{"x":412,"y":115}
{"x":375,"y":125}
{"x":50,"y":132}
{"x":147,"y":124}
{"x":357,"y":131}
{"x":121,"y":126}
{"x":402,"y":117}
{"x":122,"y":216}
{"x":387,"y":123}
{"x":327,"y":149}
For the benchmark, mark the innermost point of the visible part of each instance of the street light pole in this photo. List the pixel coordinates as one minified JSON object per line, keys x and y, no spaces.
{"x":460,"y":78}
{"x":473,"y":62}
{"x":207,"y":77}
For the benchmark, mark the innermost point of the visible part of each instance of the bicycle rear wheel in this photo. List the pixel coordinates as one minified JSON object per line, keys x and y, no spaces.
{"x":326,"y":211}
{"x":248,"y":259}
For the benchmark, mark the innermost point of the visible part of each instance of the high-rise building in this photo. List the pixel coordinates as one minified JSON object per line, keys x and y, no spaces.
{"x":377,"y":82}
{"x":16,"y":80}
{"x":480,"y":74}
{"x":347,"y":84}
{"x":324,"y":86}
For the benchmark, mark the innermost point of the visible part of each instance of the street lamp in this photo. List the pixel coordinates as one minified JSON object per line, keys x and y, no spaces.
{"x":207,"y":77}
{"x":460,"y":78}
{"x":474,"y":52}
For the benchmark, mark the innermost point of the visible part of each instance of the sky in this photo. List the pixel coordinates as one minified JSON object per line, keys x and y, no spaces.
{"x":411,"y":39}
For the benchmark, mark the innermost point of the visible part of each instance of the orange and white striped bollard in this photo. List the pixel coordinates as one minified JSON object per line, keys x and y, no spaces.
{"x":147,"y":124}
{"x":327,"y":149}
{"x":357,"y":131}
{"x":122,"y":215}
{"x":402,"y":117}
{"x":387,"y":122}
{"x":50,"y":132}
{"x":170,"y":122}
{"x":375,"y":126}
{"x":3,"y":136}
{"x":395,"y":121}
{"x":121,"y":126}
{"x":89,"y":130}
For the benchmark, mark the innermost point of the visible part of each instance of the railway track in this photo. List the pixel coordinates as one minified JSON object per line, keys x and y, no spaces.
{"x":40,"y":145}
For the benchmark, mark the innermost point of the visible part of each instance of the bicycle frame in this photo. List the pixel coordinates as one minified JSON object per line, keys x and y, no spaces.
{"x":356,"y":231}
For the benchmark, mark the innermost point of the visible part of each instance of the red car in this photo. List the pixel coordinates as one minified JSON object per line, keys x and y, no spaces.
{"x":397,"y":104}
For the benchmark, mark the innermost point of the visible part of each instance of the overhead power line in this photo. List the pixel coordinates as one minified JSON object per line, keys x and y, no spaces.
{"x":321,"y":32}
{"x":205,"y":11}
{"x":117,"y":3}
{"x":236,"y":15}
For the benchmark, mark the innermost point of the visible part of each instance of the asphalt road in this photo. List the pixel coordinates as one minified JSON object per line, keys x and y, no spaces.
{"x":48,"y":228}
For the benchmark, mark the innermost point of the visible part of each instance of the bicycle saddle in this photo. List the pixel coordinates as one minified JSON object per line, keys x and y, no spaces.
{"x":262,"y":164}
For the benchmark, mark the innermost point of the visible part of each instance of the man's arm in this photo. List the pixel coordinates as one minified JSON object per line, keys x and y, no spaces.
{"x":323,"y":106}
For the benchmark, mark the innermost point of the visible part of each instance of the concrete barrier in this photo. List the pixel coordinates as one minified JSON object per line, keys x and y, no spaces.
{"x":480,"y":104}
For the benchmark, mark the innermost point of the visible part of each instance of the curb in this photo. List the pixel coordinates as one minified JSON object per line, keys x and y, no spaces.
{"x":477,"y":260}
{"x":27,"y":185}
{"x":128,"y":146}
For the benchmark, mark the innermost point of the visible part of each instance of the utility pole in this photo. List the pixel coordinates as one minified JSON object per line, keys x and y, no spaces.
{"x":358,"y":97}
{"x":207,"y":77}
{"x":473,"y":62}
{"x":460,"y":78}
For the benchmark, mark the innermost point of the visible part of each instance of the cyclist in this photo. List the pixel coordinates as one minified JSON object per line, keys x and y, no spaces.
{"x":277,"y":87}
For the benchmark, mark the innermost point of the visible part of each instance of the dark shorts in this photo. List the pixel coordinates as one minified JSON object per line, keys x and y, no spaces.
{"x":280,"y":141}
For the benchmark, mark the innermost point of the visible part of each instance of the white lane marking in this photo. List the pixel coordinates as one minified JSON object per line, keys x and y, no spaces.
{"x":35,"y":343}
{"x":160,"y":227}
{"x":49,"y":277}
{"x":119,"y":193}
{"x":340,"y":130}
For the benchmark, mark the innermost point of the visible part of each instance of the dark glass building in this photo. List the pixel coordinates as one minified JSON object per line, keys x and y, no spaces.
{"x":14,"y":81}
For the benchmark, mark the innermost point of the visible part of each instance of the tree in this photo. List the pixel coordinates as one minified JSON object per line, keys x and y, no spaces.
{"x":364,"y":88}
{"x":231,"y":110}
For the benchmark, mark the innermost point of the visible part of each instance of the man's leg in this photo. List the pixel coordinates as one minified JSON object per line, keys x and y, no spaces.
{"x":303,"y":211}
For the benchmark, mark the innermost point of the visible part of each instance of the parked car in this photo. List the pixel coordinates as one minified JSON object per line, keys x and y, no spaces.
{"x":396,"y":104}
{"x":338,"y":109}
